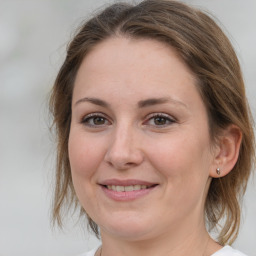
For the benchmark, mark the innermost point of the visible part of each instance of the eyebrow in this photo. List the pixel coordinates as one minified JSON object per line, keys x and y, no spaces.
{"x":156,"y":101}
{"x":94,"y":101}
{"x":141,"y":104}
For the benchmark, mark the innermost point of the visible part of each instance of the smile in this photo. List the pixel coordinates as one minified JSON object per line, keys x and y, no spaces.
{"x":128,"y":188}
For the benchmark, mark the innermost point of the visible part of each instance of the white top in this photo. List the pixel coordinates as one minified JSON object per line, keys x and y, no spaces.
{"x":228,"y":251}
{"x":225,"y":251}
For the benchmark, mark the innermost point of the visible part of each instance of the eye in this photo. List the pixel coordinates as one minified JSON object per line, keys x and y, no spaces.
{"x":160,"y":120}
{"x":95,"y":120}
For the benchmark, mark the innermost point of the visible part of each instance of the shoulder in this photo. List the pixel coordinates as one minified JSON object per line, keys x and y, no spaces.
{"x":228,"y":251}
{"x":90,"y":253}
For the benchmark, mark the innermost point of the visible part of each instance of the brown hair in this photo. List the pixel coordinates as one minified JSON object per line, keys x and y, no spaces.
{"x":208,"y":53}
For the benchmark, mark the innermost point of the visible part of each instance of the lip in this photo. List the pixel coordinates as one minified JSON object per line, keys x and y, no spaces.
{"x":126,"y":195}
{"x":129,"y":182}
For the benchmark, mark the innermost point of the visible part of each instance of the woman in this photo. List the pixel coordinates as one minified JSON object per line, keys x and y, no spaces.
{"x":155,"y":137}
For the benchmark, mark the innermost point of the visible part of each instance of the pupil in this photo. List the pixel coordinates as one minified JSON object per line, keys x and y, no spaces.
{"x":160,"y":120}
{"x":98,"y":120}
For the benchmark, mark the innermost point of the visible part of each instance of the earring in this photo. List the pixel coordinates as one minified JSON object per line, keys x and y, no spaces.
{"x":218,"y":171}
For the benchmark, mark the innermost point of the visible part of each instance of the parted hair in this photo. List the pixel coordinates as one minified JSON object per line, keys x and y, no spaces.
{"x":207,"y":51}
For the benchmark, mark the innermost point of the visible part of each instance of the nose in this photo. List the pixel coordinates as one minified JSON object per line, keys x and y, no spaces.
{"x":124,"y":151}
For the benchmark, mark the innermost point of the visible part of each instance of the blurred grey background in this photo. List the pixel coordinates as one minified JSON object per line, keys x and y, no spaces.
{"x":33,"y":37}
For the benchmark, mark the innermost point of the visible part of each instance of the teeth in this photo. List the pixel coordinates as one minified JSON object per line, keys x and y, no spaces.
{"x":119,"y":188}
{"x":137,"y":187}
{"x":126,"y":188}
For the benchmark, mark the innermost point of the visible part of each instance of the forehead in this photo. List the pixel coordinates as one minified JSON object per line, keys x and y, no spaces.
{"x":133,"y":67}
{"x":127,"y":52}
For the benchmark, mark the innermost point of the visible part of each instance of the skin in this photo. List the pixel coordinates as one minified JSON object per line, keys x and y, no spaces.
{"x":128,"y":141}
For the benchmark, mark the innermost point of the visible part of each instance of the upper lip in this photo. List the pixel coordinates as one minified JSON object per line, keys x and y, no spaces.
{"x":129,"y":182}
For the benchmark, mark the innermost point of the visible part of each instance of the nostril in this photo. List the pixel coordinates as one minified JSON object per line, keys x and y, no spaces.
{"x":130,"y":164}
{"x":123,"y":156}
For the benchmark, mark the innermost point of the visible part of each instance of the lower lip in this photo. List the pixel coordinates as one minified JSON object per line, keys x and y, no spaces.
{"x":126,"y":195}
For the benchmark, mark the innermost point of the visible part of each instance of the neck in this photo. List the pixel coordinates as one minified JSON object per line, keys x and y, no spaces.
{"x":193,"y":242}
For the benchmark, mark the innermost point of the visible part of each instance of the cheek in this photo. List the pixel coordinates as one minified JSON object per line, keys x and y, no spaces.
{"x":84,"y":155}
{"x":184,"y":160}
{"x":184,"y":167}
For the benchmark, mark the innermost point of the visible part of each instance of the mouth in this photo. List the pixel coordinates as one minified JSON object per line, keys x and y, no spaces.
{"x":129,"y":188}
{"x":126,"y":190}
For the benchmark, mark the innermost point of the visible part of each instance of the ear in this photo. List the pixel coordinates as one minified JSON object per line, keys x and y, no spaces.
{"x":226,"y":151}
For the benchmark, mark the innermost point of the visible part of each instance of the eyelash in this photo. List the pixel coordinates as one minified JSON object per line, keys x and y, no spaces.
{"x":92,"y":117}
{"x":164,"y":116}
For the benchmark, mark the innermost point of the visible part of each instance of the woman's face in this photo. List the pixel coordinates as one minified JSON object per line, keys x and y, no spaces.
{"x":139,"y":144}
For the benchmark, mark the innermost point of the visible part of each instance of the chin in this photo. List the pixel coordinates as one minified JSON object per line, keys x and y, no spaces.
{"x":127,"y":229}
